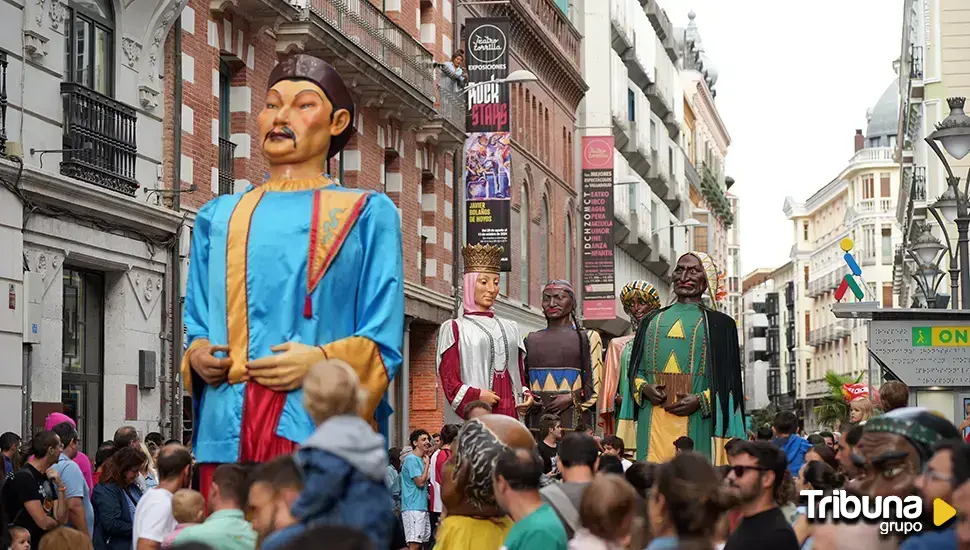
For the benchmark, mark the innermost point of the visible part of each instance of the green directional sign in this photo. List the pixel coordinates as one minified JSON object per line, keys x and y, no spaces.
{"x":922,"y":336}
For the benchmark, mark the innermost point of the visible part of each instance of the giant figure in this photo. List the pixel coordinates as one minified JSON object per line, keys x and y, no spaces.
{"x":287,"y":273}
{"x":479,"y":356}
{"x":563,"y":363}
{"x":686,"y":378}
{"x":474,"y":520}
{"x":639,"y":298}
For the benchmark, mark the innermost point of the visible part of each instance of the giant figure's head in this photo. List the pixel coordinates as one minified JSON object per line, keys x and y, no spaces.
{"x":309,"y":113}
{"x":483,"y":263}
{"x":894,"y":448}
{"x":697,"y":274}
{"x":558,"y":300}
{"x":639,"y":298}
{"x":466,"y":486}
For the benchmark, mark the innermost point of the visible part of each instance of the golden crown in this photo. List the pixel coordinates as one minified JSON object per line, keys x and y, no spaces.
{"x":482,"y":258}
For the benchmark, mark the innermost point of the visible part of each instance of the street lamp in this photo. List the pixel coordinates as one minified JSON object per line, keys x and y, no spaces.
{"x":925,"y":252}
{"x":688,"y":223}
{"x":954,"y":134}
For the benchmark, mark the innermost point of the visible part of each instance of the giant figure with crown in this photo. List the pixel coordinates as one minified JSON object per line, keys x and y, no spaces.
{"x":480,"y":357}
{"x":286,"y":274}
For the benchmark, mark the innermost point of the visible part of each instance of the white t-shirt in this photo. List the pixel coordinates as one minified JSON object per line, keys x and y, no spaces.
{"x":626,"y":464}
{"x":153,"y":517}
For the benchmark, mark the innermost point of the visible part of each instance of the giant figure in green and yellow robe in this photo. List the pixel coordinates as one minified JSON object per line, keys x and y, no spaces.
{"x":687,"y":380}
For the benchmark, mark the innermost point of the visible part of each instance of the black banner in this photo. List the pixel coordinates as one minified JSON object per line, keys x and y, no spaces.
{"x":487,"y":59}
{"x":488,"y":191}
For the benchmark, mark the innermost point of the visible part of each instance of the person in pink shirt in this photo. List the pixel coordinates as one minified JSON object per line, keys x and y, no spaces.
{"x":82,"y":460}
{"x":188,"y":508}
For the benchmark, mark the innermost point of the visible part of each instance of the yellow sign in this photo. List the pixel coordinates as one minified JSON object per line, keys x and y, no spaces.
{"x":941,"y":337}
{"x":846,"y":244}
{"x":942,"y":512}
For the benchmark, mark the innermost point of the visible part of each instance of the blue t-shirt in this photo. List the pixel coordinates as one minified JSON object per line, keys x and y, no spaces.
{"x":76,"y":487}
{"x":413,"y":498}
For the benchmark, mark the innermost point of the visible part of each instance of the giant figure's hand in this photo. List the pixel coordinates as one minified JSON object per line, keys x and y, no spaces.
{"x":558,"y":404}
{"x":685,"y":405}
{"x":654,"y":393}
{"x":489,"y":397}
{"x":525,"y":405}
{"x":285,"y":370}
{"x":210,"y":368}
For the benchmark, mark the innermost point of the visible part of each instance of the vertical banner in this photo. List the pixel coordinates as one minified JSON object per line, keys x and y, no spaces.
{"x":488,"y":191}
{"x":488,"y":149}
{"x":599,"y":288}
{"x":487,"y":55}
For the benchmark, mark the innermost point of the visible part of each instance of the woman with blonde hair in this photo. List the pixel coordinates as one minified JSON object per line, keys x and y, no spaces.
{"x":860,"y":410}
{"x":65,"y":538}
{"x":148,"y":476}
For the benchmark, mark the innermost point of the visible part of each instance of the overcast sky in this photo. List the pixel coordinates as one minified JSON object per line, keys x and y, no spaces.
{"x":794,"y":84}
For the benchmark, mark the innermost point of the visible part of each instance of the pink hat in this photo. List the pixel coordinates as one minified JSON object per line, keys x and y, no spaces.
{"x":53,"y":419}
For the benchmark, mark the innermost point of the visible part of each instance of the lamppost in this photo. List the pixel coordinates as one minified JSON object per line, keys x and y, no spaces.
{"x":954,"y":134}
{"x":925,"y":251}
{"x":458,"y":230}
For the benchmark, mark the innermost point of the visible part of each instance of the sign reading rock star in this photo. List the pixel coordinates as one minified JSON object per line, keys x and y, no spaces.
{"x":487,"y":46}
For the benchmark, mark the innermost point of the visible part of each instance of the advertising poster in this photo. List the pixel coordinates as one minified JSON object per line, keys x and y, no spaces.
{"x":487,"y":59}
{"x":599,"y":287}
{"x":488,"y":191}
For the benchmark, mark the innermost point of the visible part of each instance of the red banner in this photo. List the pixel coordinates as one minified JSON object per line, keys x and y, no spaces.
{"x":599,"y":288}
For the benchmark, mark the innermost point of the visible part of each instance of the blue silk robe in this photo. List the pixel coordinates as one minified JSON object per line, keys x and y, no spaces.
{"x":249,"y":286}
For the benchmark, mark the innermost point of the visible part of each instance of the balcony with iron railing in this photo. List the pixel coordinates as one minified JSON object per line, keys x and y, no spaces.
{"x":390,"y":70}
{"x":227,"y":178}
{"x":915,"y":62}
{"x":557,"y":26}
{"x":99,"y":139}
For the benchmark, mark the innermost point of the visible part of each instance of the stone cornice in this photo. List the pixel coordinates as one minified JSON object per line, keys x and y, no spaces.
{"x":81,"y":197}
{"x":708,"y":101}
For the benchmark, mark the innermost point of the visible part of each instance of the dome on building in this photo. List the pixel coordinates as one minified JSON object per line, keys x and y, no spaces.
{"x":883,"y":118}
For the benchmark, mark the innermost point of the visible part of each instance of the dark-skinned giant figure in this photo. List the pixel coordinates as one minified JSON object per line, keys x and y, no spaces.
{"x":687,"y":373}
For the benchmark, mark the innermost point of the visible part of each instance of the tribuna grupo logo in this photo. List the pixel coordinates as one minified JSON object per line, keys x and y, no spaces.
{"x":895,"y":515}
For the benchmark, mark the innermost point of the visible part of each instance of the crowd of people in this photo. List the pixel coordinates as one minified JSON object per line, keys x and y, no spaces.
{"x":562,"y":490}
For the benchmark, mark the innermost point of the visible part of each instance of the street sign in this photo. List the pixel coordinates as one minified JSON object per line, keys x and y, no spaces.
{"x":924,"y":353}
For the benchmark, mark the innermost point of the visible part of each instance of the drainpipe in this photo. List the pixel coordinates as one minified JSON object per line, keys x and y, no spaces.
{"x":175,"y":394}
{"x":405,"y":419}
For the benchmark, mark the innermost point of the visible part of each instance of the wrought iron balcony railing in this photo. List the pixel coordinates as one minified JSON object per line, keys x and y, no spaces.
{"x":227,"y":175}
{"x":99,"y":139}
{"x":383,"y":39}
{"x":558,"y":26}
{"x":3,"y":102}
{"x":450,"y":105}
{"x":916,"y":61}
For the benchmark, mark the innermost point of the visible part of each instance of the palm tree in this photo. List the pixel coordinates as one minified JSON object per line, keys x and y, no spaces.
{"x":834,"y":411}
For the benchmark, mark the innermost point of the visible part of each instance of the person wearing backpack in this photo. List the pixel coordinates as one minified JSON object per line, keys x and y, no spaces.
{"x":578,"y":457}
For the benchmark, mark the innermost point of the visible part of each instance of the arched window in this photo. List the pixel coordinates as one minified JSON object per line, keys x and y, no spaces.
{"x":544,"y":242}
{"x":524,"y":223}
{"x":89,"y":44}
{"x":569,"y":250}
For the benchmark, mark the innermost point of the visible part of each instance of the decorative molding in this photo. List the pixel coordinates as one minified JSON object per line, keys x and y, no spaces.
{"x":58,"y":13}
{"x":132,"y":50}
{"x":40,"y":12}
{"x":147,"y":290}
{"x":161,"y":23}
{"x":35,"y":44}
{"x":46,"y":263}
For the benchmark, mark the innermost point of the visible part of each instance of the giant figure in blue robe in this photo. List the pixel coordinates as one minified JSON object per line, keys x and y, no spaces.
{"x":288,"y":273}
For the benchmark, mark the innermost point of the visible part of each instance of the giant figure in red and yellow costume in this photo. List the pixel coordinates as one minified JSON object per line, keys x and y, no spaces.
{"x":480,"y":356}
{"x":287,"y":273}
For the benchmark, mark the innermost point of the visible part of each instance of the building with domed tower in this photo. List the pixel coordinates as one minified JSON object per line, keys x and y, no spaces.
{"x":859,"y":203}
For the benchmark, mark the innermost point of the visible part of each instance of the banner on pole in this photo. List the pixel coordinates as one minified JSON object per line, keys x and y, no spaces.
{"x":487,"y":55}
{"x":599,"y":286}
{"x":488,"y":191}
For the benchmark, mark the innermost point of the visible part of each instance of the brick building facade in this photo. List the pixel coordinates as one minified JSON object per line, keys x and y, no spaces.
{"x":407,"y":144}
